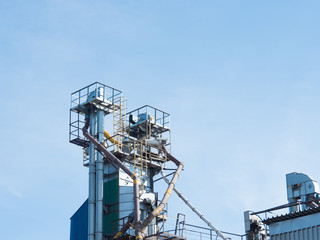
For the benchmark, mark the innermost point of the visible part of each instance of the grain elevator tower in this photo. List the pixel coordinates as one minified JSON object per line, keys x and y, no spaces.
{"x":123,"y":158}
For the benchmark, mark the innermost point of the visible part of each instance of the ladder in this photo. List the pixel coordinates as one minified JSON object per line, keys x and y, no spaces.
{"x":140,"y":161}
{"x":119,"y":122}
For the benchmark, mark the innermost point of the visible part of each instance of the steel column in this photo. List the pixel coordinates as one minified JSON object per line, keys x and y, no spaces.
{"x":99,"y":179}
{"x":92,"y":179}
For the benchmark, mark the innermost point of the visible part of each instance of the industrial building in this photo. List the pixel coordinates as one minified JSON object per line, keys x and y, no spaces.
{"x":301,"y":222}
{"x":123,"y":159}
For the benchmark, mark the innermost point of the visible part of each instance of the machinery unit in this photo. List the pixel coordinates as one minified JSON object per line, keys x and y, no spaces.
{"x":301,"y":222}
{"x":254,"y":227}
{"x":301,"y":188}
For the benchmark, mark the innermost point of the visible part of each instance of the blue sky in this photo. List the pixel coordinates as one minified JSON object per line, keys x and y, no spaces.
{"x":241,"y":81}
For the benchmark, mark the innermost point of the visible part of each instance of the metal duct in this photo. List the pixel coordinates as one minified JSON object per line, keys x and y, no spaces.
{"x":141,"y":229}
{"x":99,"y":180}
{"x":124,"y":228}
{"x":110,"y":138}
{"x":92,"y":179}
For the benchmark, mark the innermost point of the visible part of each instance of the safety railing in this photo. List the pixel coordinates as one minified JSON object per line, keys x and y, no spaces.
{"x":194,"y":232}
{"x":96,"y":93}
{"x":149,"y":117}
{"x":79,"y":97}
{"x":76,"y":123}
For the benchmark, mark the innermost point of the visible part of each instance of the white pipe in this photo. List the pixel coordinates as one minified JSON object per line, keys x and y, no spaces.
{"x":92,"y":179}
{"x":193,"y":208}
{"x":141,"y":230}
{"x":99,"y":180}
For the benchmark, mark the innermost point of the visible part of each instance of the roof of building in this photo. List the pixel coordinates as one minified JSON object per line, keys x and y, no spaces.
{"x":288,"y":216}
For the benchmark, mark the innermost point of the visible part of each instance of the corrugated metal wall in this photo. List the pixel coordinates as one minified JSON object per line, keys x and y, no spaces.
{"x":79,"y":223}
{"x":310,"y":233}
{"x":111,"y":201}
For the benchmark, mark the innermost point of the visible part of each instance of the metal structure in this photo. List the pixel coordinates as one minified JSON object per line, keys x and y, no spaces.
{"x":302,"y":188}
{"x":121,"y":165}
{"x":122,"y":201}
{"x":301,"y":222}
{"x":91,"y":104}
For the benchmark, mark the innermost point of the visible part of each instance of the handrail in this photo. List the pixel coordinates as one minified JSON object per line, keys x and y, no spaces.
{"x":209,"y":229}
{"x":285,"y":206}
{"x":96,"y":83}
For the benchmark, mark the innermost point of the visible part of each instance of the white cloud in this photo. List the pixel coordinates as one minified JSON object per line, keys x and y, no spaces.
{"x":11,"y":189}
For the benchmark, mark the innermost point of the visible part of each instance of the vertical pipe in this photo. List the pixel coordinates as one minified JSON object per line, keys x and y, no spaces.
{"x":92,"y":179}
{"x":136,"y":199}
{"x":304,"y":199}
{"x":99,"y":179}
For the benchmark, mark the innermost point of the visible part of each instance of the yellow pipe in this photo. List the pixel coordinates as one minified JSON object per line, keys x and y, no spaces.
{"x":118,"y":235}
{"x":110,"y":138}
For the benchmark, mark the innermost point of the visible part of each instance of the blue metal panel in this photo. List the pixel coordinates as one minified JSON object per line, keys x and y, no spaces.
{"x":79,"y":223}
{"x":308,"y":226}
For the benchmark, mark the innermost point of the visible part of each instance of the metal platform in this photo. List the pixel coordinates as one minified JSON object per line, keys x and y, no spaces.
{"x":148,"y":121}
{"x":97,"y":96}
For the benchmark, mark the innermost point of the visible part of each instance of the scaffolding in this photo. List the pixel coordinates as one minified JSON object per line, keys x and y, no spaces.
{"x":133,"y":134}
